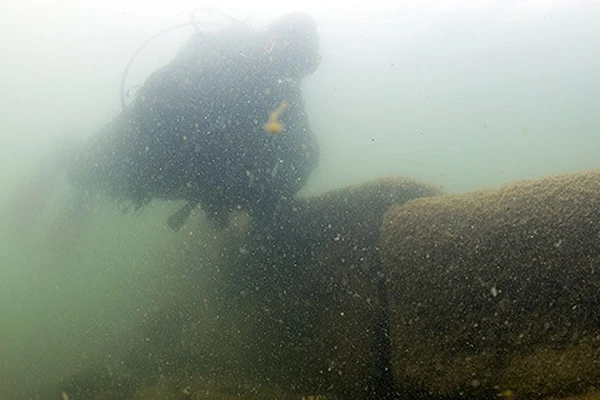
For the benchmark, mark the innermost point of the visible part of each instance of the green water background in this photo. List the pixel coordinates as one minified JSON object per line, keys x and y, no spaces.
{"x":467,"y":95}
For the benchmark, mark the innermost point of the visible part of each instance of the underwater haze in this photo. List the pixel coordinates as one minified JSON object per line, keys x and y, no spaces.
{"x":461,"y":94}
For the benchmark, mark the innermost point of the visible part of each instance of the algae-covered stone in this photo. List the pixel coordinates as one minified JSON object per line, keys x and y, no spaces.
{"x":497,"y":289}
{"x":312,"y":294}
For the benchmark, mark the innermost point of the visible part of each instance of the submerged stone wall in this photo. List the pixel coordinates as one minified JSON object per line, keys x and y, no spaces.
{"x":385,"y":290}
{"x":275,"y":312}
{"x":497,"y":290}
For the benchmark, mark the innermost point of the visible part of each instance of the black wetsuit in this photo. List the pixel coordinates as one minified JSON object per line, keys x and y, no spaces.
{"x":195,"y":132}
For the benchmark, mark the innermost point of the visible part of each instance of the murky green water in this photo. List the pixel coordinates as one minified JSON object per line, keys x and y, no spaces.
{"x":465,"y":95}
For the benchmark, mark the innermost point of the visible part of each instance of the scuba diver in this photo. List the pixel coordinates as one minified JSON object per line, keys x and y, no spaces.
{"x":222,"y":126}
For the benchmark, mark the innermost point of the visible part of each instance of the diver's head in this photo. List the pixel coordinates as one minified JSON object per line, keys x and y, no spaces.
{"x":291,"y":45}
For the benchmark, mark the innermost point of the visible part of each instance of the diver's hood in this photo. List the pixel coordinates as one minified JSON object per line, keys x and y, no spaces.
{"x":293,"y":44}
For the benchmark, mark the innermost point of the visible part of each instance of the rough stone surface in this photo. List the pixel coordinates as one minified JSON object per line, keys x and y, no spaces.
{"x":497,"y":290}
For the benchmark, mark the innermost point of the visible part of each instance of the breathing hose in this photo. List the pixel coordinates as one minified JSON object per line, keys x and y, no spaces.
{"x":193,"y":22}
